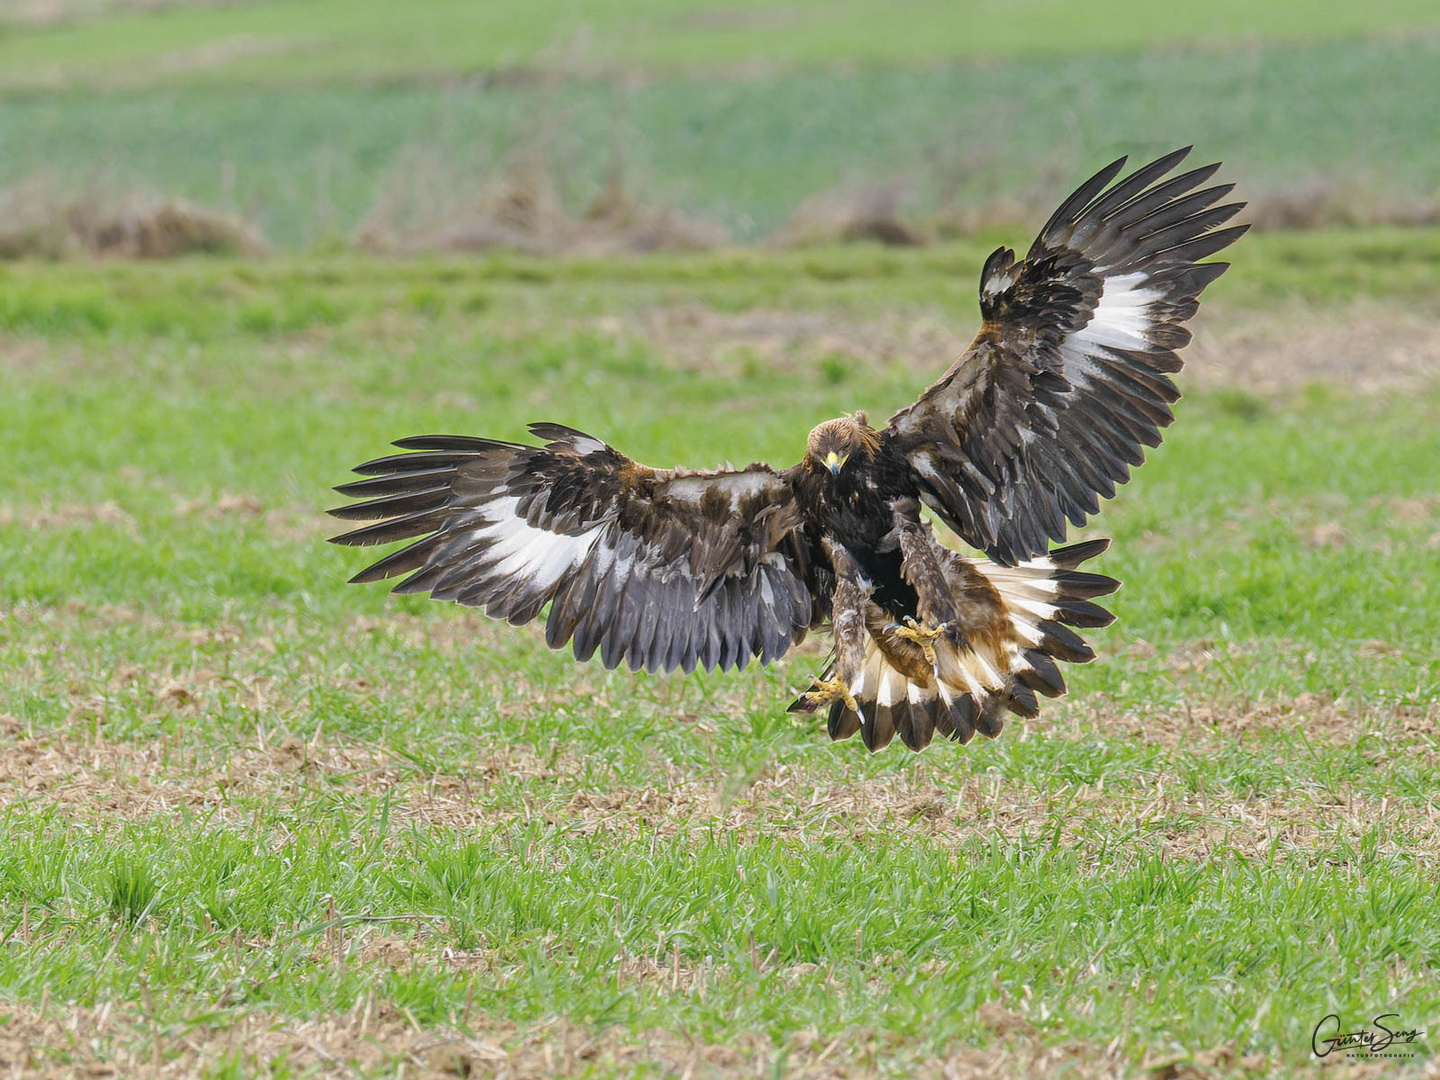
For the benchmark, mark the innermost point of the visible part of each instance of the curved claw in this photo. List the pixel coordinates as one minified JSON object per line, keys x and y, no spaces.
{"x":920,"y":635}
{"x":823,"y":692}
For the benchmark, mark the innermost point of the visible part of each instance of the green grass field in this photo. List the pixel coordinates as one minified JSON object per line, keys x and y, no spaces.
{"x":322,"y":40}
{"x":258,"y":822}
{"x":743,"y":149}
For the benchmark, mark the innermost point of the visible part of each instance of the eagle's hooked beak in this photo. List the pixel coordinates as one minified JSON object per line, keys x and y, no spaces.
{"x":834,"y":462}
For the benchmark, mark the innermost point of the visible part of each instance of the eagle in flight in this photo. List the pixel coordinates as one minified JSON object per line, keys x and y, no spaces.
{"x":1067,"y":380}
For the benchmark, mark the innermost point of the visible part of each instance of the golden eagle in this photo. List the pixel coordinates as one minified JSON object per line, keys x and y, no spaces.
{"x":660,"y":569}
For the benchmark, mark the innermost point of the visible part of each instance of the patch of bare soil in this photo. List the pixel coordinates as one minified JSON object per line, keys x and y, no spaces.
{"x":117,"y":1040}
{"x":295,"y":523}
{"x":697,"y":338}
{"x":68,"y":516}
{"x":1365,"y":346}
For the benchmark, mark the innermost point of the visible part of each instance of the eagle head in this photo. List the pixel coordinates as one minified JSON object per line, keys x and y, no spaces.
{"x":834,"y":442}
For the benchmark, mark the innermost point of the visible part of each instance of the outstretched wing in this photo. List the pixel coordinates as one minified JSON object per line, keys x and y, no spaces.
{"x":656,"y":569}
{"x":1068,"y":377}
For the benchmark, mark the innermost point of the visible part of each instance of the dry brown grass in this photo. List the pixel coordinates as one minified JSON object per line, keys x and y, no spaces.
{"x":886,"y":212}
{"x":426,"y":207}
{"x":81,"y":772}
{"x":294,"y":523}
{"x":1325,"y":204}
{"x":875,"y":211}
{"x":1365,"y":346}
{"x":116,"y":1039}
{"x":39,"y":220}
{"x":1016,"y":212}
{"x":286,"y":757}
{"x":124,"y":1038}
{"x":861,"y":213}
{"x":166,"y":229}
{"x":84,"y":775}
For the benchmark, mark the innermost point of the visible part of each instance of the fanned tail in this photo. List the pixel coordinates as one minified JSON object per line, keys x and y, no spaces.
{"x":1015,"y":624}
{"x":1040,"y":601}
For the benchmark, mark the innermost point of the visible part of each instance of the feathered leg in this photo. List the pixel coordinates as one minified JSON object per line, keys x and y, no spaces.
{"x":939,"y":632}
{"x":961,"y":631}
{"x":923,"y":566}
{"x":990,"y":633}
{"x":852,"y":597}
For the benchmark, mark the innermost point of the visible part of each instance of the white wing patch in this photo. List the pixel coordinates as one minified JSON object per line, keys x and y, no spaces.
{"x":585,"y":444}
{"x":519,"y":549}
{"x":994,"y":286}
{"x":1121,"y":318}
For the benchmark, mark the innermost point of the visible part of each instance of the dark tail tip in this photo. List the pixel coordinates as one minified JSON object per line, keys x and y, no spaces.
{"x":1068,"y":558}
{"x":842,"y":722}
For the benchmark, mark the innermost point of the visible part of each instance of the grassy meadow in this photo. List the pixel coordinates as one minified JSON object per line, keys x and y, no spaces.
{"x":313,"y":156}
{"x":275,"y":41}
{"x":258,"y":822}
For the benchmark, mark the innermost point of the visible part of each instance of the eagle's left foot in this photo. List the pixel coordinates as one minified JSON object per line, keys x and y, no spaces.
{"x":923,"y":636}
{"x":822,"y":693}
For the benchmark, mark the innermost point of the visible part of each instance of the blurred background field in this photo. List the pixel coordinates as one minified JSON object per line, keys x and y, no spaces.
{"x":320,"y":122}
{"x":254,"y":822}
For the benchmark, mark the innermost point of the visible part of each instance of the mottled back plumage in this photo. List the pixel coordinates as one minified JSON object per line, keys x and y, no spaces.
{"x":1049,"y":409}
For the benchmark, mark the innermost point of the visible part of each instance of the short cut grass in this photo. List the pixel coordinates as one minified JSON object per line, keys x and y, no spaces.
{"x":243,"y":804}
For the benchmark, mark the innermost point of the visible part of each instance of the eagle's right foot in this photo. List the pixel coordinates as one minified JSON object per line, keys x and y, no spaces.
{"x":923,"y":636}
{"x":823,"y":692}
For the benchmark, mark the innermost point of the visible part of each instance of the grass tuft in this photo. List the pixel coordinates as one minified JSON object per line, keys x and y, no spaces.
{"x":133,"y":889}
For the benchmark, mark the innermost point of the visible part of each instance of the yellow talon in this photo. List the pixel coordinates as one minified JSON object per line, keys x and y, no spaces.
{"x":823,"y":692}
{"x":925,"y":638}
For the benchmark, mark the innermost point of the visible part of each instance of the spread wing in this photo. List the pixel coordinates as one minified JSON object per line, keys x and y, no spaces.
{"x":1068,"y":377}
{"x":657,"y":569}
